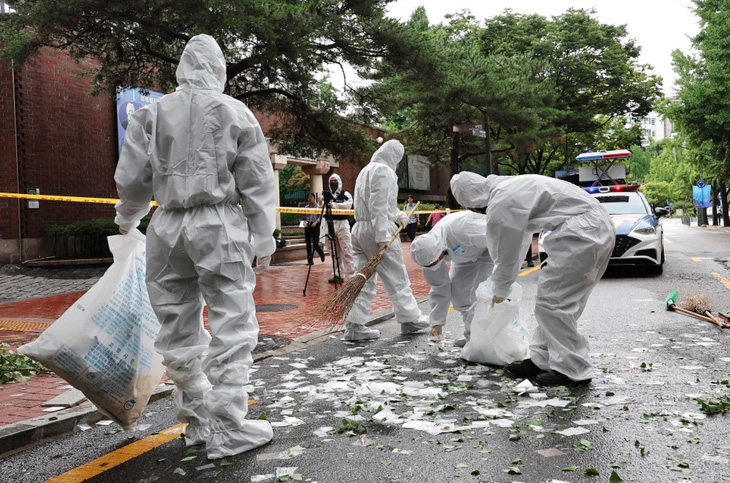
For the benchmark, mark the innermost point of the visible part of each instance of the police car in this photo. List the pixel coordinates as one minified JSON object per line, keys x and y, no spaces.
{"x":639,"y":233}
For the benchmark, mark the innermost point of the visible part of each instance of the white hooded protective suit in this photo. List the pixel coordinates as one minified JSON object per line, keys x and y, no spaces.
{"x":201,"y":153}
{"x":461,"y":236}
{"x":341,"y":224}
{"x":578,"y":249}
{"x":376,"y":214}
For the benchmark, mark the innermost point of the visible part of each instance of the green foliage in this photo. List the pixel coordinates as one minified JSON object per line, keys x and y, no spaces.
{"x":16,"y":367}
{"x":549,"y":88}
{"x":86,"y":238}
{"x":277,"y":52}
{"x":715,"y":406}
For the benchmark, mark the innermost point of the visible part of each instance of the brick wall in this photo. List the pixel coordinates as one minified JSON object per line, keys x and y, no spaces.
{"x":66,"y":142}
{"x":8,"y":176}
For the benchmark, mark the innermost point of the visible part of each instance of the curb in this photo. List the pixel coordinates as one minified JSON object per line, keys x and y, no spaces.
{"x":18,"y":436}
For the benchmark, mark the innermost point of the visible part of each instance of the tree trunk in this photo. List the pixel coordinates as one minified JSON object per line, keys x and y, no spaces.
{"x":454,"y":165}
{"x":724,"y":202}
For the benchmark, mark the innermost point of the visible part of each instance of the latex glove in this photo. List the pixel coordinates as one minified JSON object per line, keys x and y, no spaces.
{"x":262,"y":264}
{"x":435,"y":334}
{"x":382,"y":245}
{"x":497,"y":300}
{"x":402,"y":219}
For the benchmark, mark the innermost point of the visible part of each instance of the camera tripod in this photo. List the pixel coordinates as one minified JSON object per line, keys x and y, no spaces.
{"x":326,"y":214}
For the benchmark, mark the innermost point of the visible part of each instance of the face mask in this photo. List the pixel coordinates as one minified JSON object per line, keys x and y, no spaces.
{"x":333,"y":186}
{"x":436,"y":265}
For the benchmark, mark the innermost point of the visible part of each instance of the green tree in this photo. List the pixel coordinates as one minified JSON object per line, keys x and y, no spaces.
{"x":702,"y":107}
{"x":276,"y":50}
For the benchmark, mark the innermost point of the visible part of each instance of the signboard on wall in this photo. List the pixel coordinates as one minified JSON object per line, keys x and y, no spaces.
{"x":414,"y":172}
{"x":128,"y":101}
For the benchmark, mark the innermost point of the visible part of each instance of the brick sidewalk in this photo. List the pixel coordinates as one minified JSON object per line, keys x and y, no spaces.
{"x":22,"y":322}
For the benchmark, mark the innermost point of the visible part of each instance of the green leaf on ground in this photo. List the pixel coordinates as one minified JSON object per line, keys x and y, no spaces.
{"x":570,"y":468}
{"x":591,"y":471}
{"x":615,"y":478}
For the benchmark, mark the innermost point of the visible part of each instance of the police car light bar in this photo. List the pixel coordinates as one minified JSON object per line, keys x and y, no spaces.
{"x":617,"y":154}
{"x":612,"y":189}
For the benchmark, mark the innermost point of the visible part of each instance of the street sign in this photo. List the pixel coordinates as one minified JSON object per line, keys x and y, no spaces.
{"x":479,"y":133}
{"x":465,"y":127}
{"x":700,"y":184}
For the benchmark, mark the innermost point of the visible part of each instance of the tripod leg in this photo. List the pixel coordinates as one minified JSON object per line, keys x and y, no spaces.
{"x":304,"y":292}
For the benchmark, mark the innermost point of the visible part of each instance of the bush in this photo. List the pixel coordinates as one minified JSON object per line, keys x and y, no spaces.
{"x":85,"y":238}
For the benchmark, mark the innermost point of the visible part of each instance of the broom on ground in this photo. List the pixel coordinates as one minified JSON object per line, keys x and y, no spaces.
{"x":335,"y":309}
{"x":671,"y":304}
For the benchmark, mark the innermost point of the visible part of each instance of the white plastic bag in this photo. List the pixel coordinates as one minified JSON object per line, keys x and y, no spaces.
{"x":104,"y":344}
{"x":497,"y":337}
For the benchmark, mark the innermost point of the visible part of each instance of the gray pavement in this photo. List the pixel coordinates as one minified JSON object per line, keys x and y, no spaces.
{"x":22,"y":283}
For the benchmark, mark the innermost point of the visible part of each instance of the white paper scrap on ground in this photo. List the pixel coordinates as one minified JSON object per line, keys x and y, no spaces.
{"x":323,"y":431}
{"x":502,"y":423}
{"x":525,"y":387}
{"x":285,"y":471}
{"x":573,"y":431}
{"x":613,"y":400}
{"x":435,"y":427}
{"x":585,"y":422}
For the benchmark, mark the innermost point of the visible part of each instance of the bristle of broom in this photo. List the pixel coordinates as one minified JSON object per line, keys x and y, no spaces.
{"x":696,"y":302}
{"x":335,"y":309}
{"x":671,"y":298}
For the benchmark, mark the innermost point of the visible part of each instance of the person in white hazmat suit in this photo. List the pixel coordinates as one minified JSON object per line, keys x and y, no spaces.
{"x":342,"y":200}
{"x":578,"y":248}
{"x":376,"y":215}
{"x":202,"y":153}
{"x":458,"y":237}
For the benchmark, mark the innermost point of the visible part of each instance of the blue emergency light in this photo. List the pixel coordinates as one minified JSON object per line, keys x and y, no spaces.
{"x":601,"y":155}
{"x":613,"y":189}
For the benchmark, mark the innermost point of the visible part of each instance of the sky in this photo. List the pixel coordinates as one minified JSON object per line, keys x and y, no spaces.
{"x":657,"y":26}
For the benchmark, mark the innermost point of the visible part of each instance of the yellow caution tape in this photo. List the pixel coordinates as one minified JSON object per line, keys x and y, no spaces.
{"x":112,"y":201}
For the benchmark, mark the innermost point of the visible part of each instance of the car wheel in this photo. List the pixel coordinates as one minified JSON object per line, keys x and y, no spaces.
{"x":543,"y":257}
{"x":662,"y":255}
{"x":658,"y":269}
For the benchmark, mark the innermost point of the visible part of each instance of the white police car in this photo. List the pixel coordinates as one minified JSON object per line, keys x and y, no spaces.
{"x":639,"y":234}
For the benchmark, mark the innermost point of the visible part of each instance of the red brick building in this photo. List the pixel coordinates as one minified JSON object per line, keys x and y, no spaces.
{"x":57,"y":139}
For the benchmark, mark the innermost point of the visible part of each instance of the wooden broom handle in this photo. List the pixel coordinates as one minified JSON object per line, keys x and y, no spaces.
{"x":694,"y":314}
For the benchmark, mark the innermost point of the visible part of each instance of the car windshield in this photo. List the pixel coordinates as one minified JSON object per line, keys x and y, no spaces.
{"x":622,"y":204}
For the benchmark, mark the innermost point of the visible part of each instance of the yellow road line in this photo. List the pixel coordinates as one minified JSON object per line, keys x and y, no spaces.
{"x":697,"y":259}
{"x":529,"y":271}
{"x":722,"y":280}
{"x":666,"y":240}
{"x":122,"y":455}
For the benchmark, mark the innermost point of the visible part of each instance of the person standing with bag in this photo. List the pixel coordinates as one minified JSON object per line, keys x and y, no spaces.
{"x":202,"y":154}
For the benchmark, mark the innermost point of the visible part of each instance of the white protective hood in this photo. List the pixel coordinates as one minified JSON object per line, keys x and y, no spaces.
{"x":202,"y":64}
{"x":472,"y":190}
{"x":389,"y":154}
{"x":339,"y":183}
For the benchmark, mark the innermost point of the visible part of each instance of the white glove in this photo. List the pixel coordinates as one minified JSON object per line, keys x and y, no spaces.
{"x":382,"y":245}
{"x":123,"y":231}
{"x":262,"y":264}
{"x":402,"y":219}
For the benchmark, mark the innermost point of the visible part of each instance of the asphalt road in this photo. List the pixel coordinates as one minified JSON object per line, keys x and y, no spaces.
{"x":363,"y":412}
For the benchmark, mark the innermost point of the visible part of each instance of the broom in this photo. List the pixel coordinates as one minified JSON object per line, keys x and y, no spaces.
{"x":671,"y":304}
{"x":335,"y":308}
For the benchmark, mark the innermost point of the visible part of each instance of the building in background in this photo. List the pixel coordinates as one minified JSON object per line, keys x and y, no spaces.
{"x":653,"y":127}
{"x":57,"y":139}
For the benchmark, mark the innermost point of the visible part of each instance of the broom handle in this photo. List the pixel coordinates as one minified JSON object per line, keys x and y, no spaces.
{"x":693,"y":314}
{"x":400,"y":228}
{"x":707,"y":313}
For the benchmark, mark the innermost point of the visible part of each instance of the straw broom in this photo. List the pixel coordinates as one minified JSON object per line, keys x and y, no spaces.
{"x":335,"y":308}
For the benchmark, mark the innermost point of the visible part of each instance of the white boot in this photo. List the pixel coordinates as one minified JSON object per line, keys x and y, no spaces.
{"x":360,"y":332}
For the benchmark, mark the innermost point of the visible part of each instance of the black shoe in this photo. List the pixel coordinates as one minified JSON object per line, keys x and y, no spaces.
{"x":555,"y":378}
{"x":321,"y":255}
{"x":530,"y":264}
{"x":335,"y":279}
{"x":526,"y":369}
{"x":310,"y":261}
